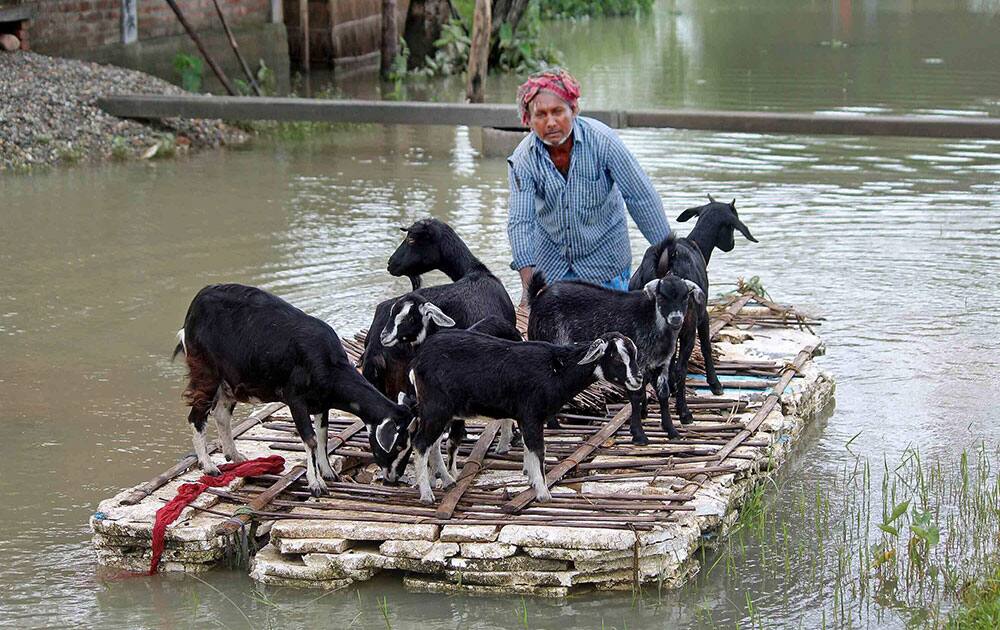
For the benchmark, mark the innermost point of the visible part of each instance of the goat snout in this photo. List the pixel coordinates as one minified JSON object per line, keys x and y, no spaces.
{"x":634,"y":384}
{"x":674,"y":320}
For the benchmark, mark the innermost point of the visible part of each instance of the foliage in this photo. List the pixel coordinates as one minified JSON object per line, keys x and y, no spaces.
{"x":265,"y":80}
{"x":561,"y":9}
{"x":190,"y":69}
{"x":980,"y":608}
{"x":119,"y":149}
{"x":521,"y":51}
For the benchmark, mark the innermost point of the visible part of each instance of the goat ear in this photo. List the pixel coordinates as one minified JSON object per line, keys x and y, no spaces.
{"x":695,"y":291}
{"x":436,"y":315}
{"x":385,"y":434}
{"x":745,"y":231}
{"x":650,"y":289}
{"x":687,"y":214}
{"x":595,"y":351}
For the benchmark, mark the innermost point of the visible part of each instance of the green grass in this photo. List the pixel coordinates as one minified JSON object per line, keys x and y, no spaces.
{"x":980,"y":605}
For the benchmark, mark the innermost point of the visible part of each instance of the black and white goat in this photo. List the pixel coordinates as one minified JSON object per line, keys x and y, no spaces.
{"x":243,"y":344}
{"x":412,"y":320}
{"x":652,"y":318}
{"x":464,"y":373}
{"x":688,"y":258}
{"x":473,"y":294}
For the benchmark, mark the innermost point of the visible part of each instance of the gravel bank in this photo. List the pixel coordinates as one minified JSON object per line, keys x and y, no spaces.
{"x":49,"y":116}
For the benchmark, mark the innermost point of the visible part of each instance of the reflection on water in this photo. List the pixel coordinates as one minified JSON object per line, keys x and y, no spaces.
{"x":896,"y":242}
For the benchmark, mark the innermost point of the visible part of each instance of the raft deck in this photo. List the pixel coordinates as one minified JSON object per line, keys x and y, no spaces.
{"x":621,"y":514}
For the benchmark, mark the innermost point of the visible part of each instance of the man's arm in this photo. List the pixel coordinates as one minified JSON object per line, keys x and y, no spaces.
{"x":641,"y":199}
{"x":521,"y":225}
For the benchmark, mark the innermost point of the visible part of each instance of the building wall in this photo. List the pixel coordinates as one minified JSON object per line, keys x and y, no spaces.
{"x":65,"y":27}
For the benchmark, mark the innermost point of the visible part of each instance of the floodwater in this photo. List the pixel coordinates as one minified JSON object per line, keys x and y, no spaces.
{"x":896,"y":242}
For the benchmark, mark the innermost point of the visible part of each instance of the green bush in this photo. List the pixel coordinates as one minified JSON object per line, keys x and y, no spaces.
{"x":190,"y":69}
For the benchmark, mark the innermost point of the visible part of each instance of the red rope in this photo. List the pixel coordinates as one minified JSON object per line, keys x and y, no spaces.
{"x":191,"y":491}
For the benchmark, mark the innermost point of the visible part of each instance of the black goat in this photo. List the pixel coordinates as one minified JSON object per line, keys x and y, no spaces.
{"x":474,"y":293}
{"x":412,"y":320}
{"x":574,"y":311}
{"x":688,"y":258}
{"x":465,"y":373}
{"x":243,"y":344}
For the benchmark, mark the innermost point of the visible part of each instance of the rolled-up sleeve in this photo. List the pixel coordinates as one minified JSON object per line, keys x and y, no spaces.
{"x":641,"y":198}
{"x":521,"y":219}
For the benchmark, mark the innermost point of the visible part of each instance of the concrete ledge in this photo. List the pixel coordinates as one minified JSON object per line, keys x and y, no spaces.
{"x":496,"y":115}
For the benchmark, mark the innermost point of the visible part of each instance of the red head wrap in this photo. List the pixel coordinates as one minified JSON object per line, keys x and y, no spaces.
{"x":557,"y":81}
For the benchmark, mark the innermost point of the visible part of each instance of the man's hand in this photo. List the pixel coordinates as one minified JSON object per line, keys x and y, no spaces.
{"x":526,"y":273}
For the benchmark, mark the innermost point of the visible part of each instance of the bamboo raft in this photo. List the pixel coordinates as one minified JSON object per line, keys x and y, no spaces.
{"x":621,"y":515}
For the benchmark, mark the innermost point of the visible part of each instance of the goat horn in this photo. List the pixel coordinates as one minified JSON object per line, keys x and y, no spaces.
{"x":733,"y":202}
{"x":710,"y":198}
{"x":403,"y":229}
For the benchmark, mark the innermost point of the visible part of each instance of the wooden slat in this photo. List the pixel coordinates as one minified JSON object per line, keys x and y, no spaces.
{"x":264,"y":499}
{"x":769,"y":403}
{"x":191,"y":459}
{"x":722,"y":320}
{"x":473,"y":464}
{"x":558,"y":471}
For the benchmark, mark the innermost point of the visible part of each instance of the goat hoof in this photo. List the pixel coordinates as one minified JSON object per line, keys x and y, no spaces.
{"x":502,"y":451}
{"x":543,"y":497}
{"x":673,"y":434}
{"x":317,"y":492}
{"x":687,"y":418}
{"x":236,"y":458}
{"x":427,"y":500}
{"x":553,"y":424}
{"x":211,"y":471}
{"x":640,"y":439}
{"x":716,"y":388}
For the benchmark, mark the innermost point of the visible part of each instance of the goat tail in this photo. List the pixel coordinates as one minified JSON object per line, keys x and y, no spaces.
{"x":181,"y":346}
{"x":536,"y":285}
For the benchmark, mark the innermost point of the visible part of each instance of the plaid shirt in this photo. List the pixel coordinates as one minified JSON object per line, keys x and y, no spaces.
{"x":578,"y":223}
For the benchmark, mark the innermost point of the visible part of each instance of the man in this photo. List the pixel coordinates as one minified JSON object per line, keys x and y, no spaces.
{"x":571,"y":180}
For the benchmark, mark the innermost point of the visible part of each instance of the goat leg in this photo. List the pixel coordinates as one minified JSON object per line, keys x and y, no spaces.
{"x":663,"y":395}
{"x":321,"y":423}
{"x":705,"y":339}
{"x":456,"y":434}
{"x":678,"y":372}
{"x":303,"y":424}
{"x":506,"y":436}
{"x":534,"y":458}
{"x":638,"y":400}
{"x":420,"y":465}
{"x":198,"y":417}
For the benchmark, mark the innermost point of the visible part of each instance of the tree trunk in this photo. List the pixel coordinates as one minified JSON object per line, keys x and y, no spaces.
{"x":423,"y":27}
{"x":390,"y":36}
{"x":504,"y":11}
{"x":479,"y":52}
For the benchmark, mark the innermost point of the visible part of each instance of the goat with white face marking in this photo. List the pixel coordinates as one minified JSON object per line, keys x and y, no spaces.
{"x":575,"y":311}
{"x":463,"y":373}
{"x":688,"y":258}
{"x":412,"y":321}
{"x":474,"y":293}
{"x":242,"y":344}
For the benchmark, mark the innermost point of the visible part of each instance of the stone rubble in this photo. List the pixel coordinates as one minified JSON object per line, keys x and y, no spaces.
{"x":49,"y":115}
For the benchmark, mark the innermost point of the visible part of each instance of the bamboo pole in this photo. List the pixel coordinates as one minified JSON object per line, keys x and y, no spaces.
{"x":390,"y":37}
{"x":304,"y":27}
{"x":236,"y":49}
{"x":473,"y":464}
{"x":201,"y":47}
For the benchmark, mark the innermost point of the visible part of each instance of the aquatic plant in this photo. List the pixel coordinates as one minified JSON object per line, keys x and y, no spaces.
{"x":913,"y":541}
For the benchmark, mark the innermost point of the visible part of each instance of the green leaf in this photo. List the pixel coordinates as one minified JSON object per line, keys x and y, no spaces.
{"x":889,"y":529}
{"x":898,"y":511}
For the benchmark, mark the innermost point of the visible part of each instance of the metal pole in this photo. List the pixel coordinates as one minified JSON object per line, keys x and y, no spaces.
{"x":201,"y":47}
{"x":236,"y":49}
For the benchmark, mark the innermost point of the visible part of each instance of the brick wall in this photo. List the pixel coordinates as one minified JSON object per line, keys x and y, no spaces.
{"x":66,"y":26}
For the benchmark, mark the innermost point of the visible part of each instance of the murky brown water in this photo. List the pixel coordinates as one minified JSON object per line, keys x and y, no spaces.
{"x":896,"y":241}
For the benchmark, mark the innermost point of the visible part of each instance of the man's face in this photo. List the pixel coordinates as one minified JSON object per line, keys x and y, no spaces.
{"x":551,"y":118}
